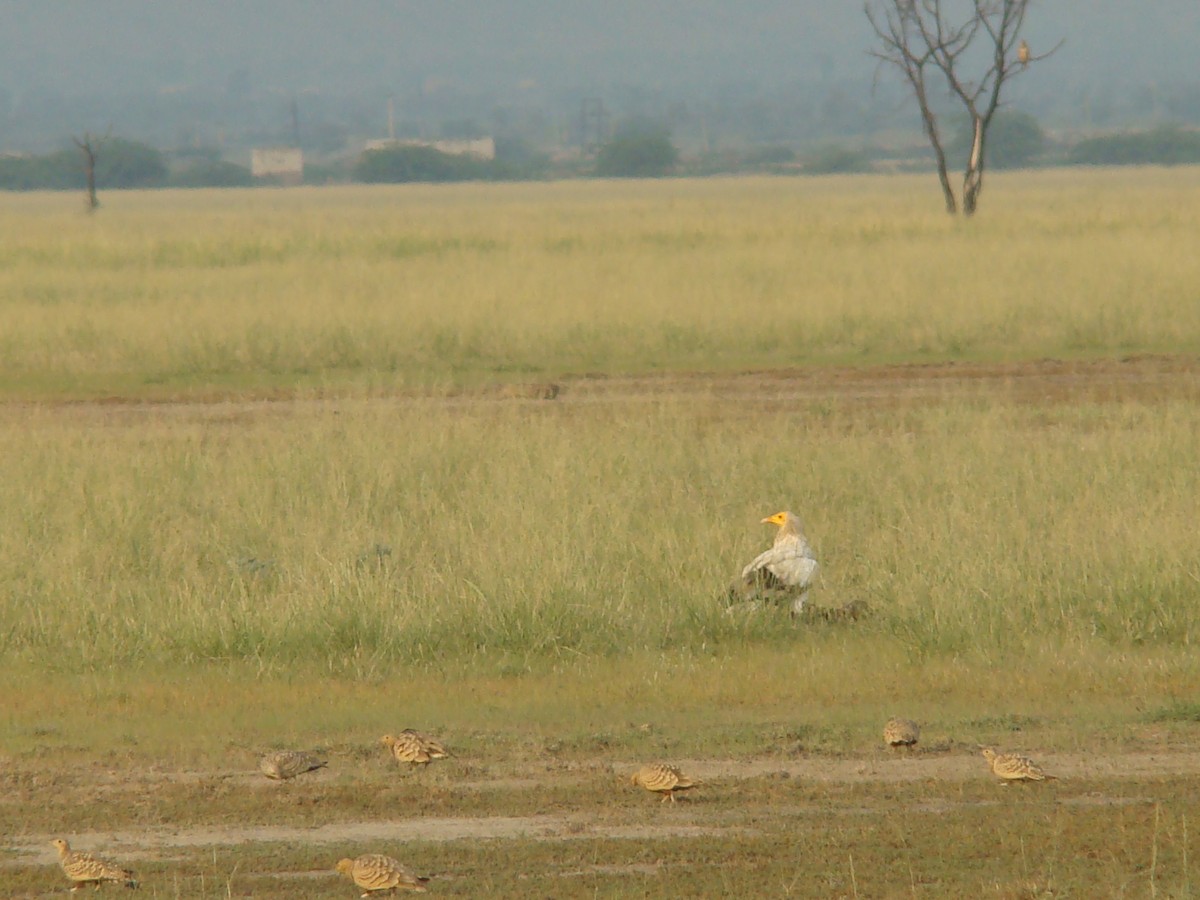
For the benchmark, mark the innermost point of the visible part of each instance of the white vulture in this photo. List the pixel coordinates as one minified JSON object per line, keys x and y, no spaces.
{"x":783,"y":573}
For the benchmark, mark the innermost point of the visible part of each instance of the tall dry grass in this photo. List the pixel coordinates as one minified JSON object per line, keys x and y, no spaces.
{"x":588,"y":543}
{"x":356,"y":536}
{"x":172,"y":292}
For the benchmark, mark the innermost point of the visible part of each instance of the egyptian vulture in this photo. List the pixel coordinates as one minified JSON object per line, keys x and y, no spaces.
{"x":783,"y":573}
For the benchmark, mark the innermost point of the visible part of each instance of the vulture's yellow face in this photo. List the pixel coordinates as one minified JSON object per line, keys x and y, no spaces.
{"x":780,"y":519}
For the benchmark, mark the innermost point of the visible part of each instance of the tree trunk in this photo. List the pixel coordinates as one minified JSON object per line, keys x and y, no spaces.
{"x":929,"y":122}
{"x":92,"y":202}
{"x":89,"y":170}
{"x":940,"y":156}
{"x":973,"y":179}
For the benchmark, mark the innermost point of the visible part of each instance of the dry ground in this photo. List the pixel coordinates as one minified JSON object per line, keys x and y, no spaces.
{"x":876,"y":823}
{"x":1046,"y":381}
{"x":869,"y":823}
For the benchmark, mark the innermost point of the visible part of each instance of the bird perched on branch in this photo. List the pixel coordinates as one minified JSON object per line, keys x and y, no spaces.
{"x":662,"y":779}
{"x":1023,"y":54}
{"x":782,"y":573}
{"x":376,"y":872}
{"x":413,"y":747}
{"x":83,"y":868}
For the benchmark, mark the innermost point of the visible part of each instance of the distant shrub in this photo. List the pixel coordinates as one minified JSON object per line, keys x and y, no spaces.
{"x":417,"y":163}
{"x":52,"y":172}
{"x":770,"y":155}
{"x":639,"y":150}
{"x":212,"y":173}
{"x":122,"y":163}
{"x":835,"y":159}
{"x":518,"y":159}
{"x":1167,"y":145}
{"x":337,"y":172}
{"x":1015,"y":140}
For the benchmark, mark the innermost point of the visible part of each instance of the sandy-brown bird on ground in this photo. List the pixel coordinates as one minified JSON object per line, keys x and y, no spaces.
{"x":375,"y":872}
{"x":663,"y":779}
{"x":286,"y":764}
{"x":413,"y":747}
{"x":84,"y":868}
{"x":1013,"y":767}
{"x":784,"y":572}
{"x":901,"y":732}
{"x":1023,"y":53}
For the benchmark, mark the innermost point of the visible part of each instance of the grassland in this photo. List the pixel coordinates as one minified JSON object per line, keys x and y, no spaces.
{"x":166,"y":294}
{"x":302,"y":516}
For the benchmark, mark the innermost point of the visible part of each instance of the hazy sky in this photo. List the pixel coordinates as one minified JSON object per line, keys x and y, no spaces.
{"x":164,"y":45}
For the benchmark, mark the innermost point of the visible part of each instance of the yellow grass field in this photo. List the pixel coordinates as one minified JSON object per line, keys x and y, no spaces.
{"x":167,"y":293}
{"x":280,"y":470}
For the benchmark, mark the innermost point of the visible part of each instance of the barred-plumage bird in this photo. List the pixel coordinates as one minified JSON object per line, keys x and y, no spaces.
{"x":783,"y":573}
{"x":375,"y":872}
{"x":663,"y":779}
{"x":285,"y":764}
{"x":1013,"y":767}
{"x":901,"y":732}
{"x":84,"y":868}
{"x":413,"y":747}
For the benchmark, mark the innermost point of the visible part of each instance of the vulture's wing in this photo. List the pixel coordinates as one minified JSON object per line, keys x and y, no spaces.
{"x":786,"y":565}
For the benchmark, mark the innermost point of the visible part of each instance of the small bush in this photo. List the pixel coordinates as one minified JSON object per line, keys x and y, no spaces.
{"x":640,"y":151}
{"x":1015,"y":140}
{"x":129,"y":164}
{"x":417,"y":163}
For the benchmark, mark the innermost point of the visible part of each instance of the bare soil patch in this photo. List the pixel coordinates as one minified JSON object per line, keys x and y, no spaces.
{"x":747,"y":782}
{"x":1046,"y":381}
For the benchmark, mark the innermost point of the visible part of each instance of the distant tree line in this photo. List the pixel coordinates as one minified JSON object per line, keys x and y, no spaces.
{"x":120,"y":164}
{"x":1168,"y":145}
{"x":638,"y":149}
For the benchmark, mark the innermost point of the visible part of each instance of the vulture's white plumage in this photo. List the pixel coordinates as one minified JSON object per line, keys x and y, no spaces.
{"x":784,"y":572}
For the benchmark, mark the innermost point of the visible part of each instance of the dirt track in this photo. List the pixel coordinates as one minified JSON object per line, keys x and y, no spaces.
{"x":1040,"y":380}
{"x":1143,"y":378}
{"x":726,"y":777}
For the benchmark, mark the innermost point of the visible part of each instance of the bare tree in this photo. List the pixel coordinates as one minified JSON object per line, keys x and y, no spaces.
{"x":89,"y":146}
{"x":919,"y":38}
